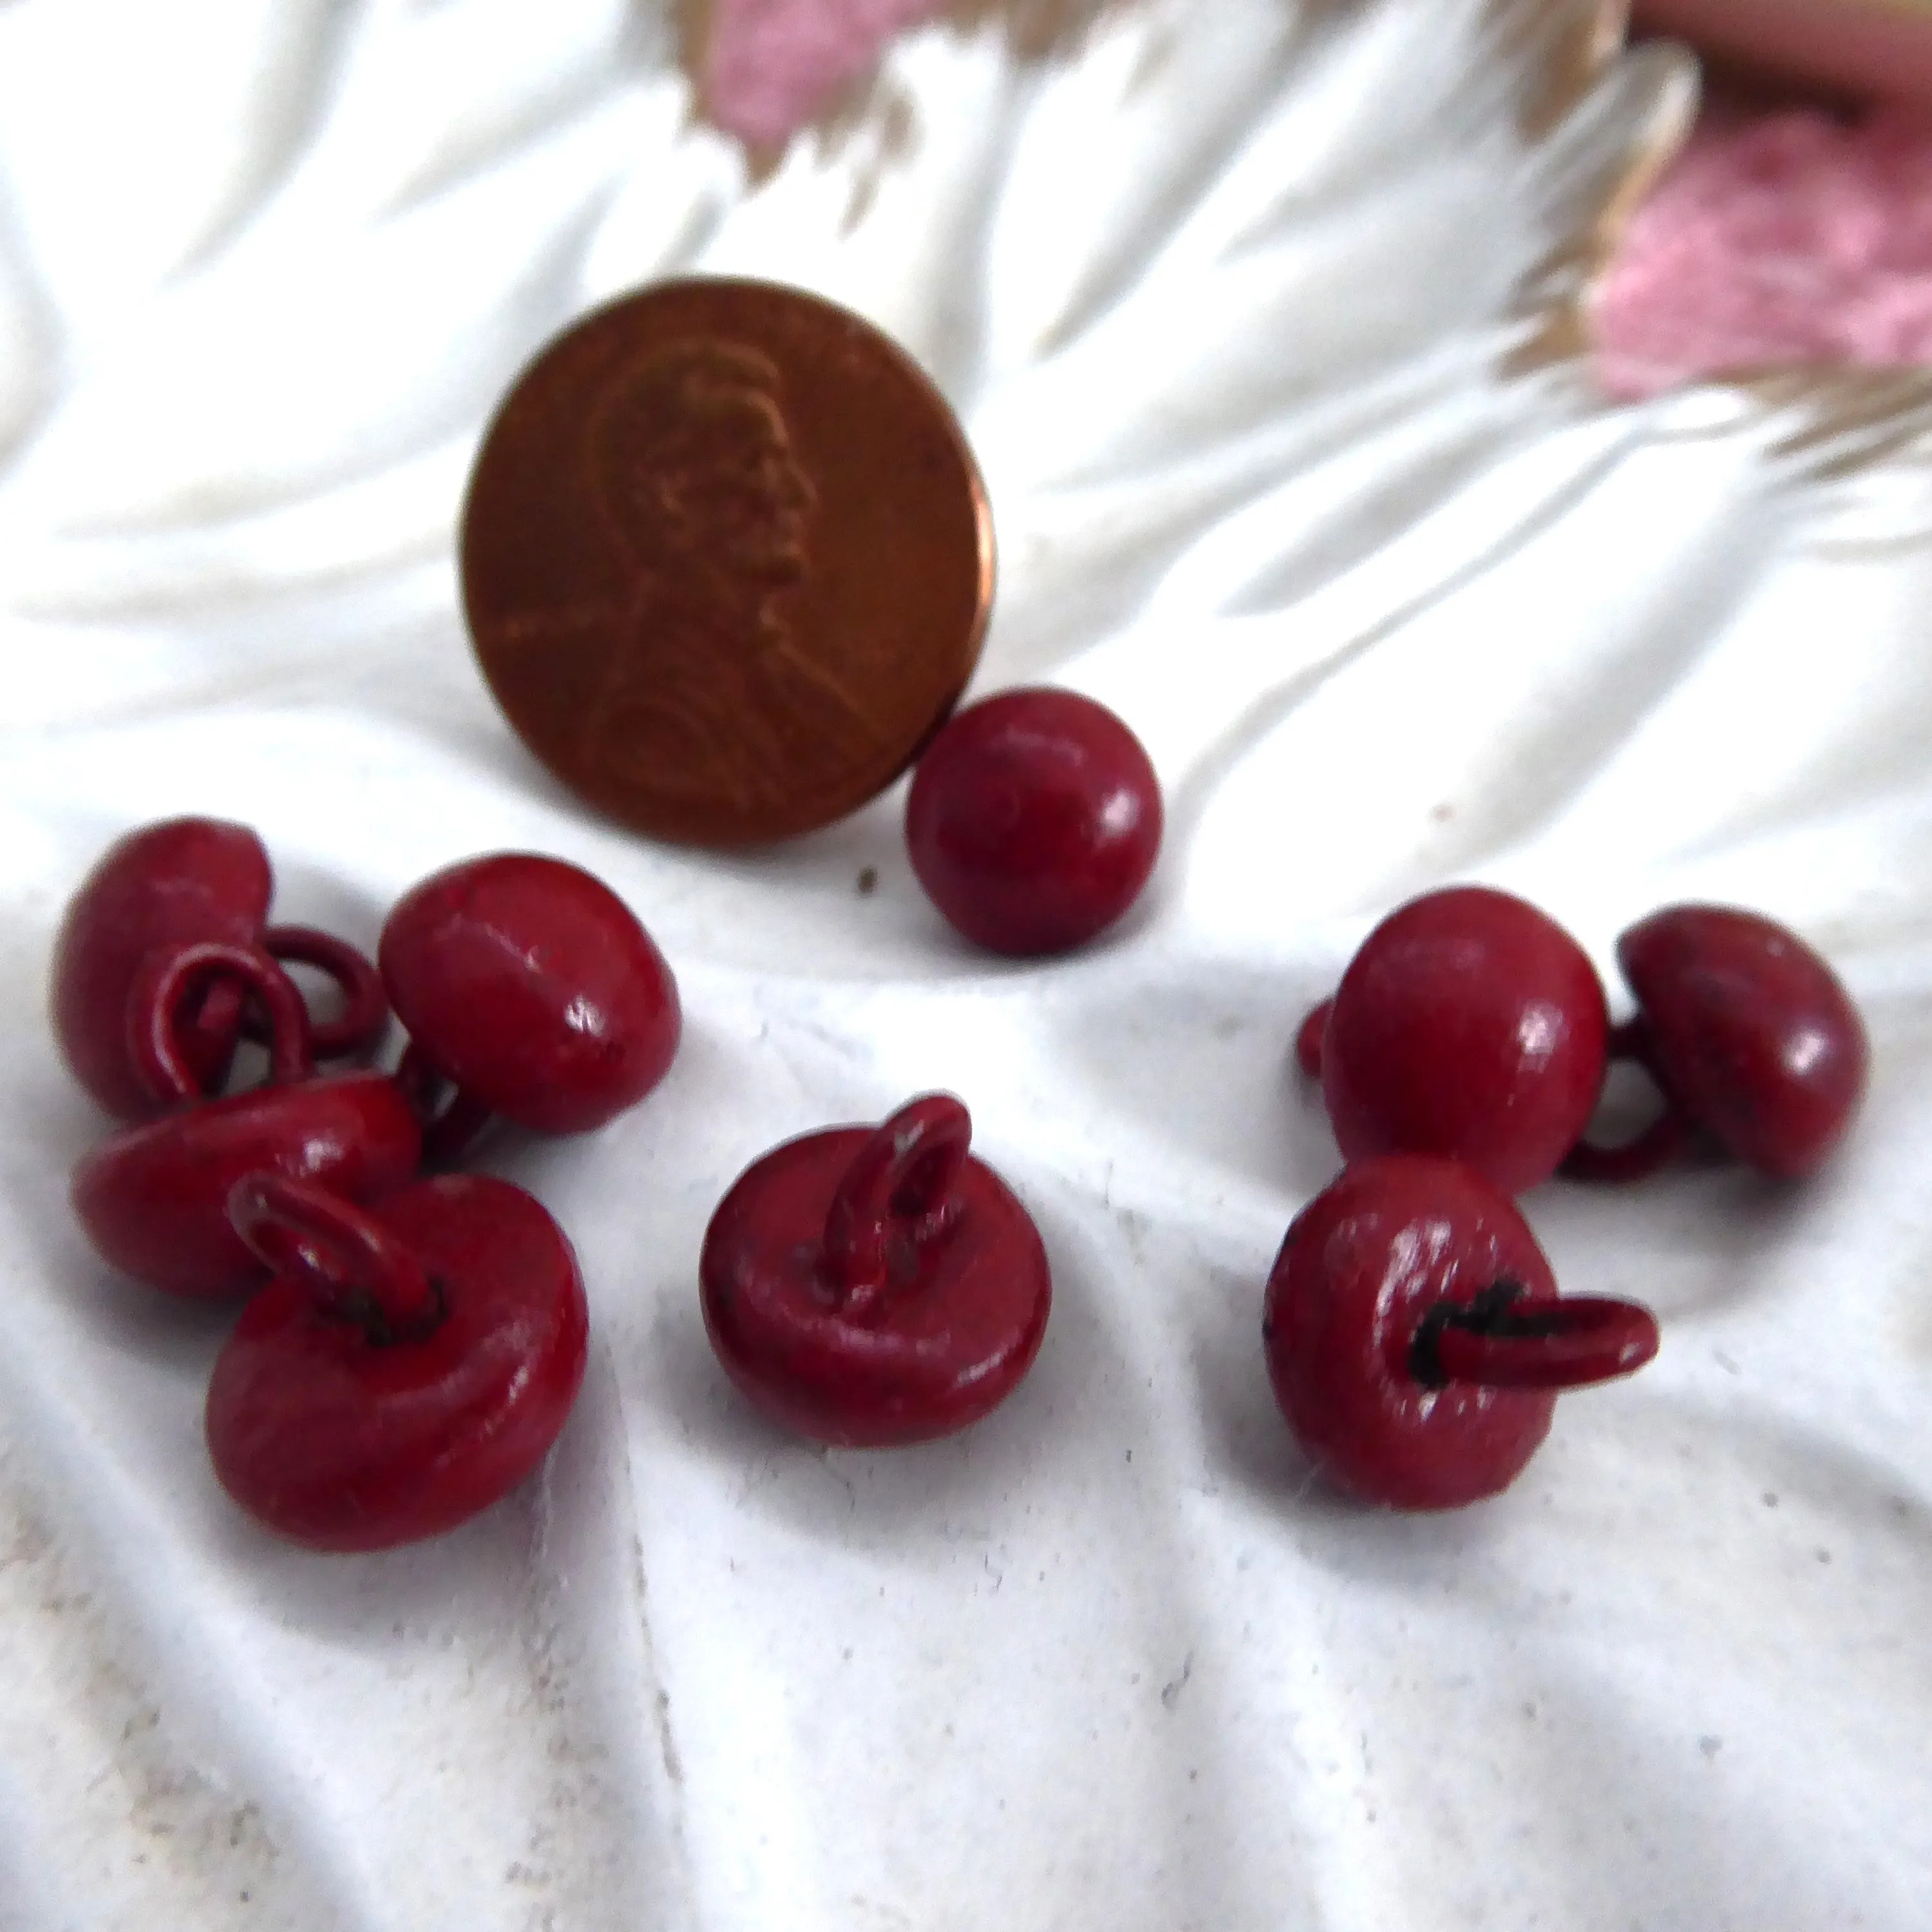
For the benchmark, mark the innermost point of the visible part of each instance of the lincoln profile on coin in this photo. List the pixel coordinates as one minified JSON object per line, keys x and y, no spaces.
{"x":702,"y":691}
{"x":726,"y":560}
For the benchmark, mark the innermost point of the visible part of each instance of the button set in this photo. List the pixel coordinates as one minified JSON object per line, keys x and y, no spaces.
{"x":726,"y":563}
{"x":413,"y":1345}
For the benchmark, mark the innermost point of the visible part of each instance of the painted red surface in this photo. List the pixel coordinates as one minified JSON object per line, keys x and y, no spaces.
{"x":773,"y":64}
{"x":1785,"y":232}
{"x":1882,"y":47}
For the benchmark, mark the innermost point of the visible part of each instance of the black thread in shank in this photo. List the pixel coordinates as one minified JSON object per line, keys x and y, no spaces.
{"x":1490,"y":1311}
{"x":361,"y":1310}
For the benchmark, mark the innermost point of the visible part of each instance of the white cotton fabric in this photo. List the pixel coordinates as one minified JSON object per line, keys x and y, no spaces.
{"x":1254,"y":314}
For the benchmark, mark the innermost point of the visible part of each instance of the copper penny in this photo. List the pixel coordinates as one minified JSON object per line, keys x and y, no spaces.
{"x":727,"y":560}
